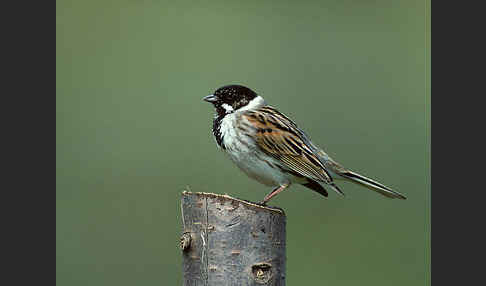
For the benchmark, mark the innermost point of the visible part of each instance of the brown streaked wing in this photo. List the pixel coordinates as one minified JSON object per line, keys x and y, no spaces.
{"x":280,"y":138}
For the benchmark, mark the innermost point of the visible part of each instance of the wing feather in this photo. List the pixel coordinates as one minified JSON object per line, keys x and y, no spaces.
{"x":280,"y":138}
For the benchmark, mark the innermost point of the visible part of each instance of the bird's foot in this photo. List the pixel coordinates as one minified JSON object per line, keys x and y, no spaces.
{"x":262,"y":203}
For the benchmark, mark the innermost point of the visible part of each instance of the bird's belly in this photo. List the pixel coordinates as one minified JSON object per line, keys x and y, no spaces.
{"x":255,"y":164}
{"x":259,"y":169}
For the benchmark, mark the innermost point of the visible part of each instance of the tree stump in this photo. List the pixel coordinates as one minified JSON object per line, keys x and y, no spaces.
{"x":227,"y":241}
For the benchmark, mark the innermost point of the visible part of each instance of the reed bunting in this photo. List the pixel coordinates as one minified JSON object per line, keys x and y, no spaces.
{"x":270,"y":148}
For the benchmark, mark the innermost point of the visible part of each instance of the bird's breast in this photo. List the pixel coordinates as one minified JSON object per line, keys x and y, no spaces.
{"x":233,"y":136}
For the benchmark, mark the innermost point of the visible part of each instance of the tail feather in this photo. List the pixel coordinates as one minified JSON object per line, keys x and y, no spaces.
{"x":315,"y":186}
{"x":371,"y":184}
{"x":337,"y":189}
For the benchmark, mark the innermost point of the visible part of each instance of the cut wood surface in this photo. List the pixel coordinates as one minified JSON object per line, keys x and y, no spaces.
{"x":228,"y":241}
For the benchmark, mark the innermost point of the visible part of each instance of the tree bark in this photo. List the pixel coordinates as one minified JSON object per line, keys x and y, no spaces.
{"x":227,"y":241}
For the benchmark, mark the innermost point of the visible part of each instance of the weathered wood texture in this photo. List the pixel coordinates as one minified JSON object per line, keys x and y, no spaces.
{"x":227,"y":241}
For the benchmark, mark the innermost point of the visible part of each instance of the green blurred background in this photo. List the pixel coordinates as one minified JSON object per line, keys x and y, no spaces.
{"x":133,"y":132}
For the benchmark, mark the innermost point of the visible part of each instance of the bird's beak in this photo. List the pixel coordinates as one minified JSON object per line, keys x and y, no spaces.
{"x":210,"y":98}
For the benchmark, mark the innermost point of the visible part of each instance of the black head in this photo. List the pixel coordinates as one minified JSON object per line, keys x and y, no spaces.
{"x":230,"y":98}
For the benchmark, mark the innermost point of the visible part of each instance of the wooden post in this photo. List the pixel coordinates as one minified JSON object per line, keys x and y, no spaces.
{"x":227,"y":241}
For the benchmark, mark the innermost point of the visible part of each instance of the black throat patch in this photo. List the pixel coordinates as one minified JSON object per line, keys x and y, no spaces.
{"x":217,"y":130}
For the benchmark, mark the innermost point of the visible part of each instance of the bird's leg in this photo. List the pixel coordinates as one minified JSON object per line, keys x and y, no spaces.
{"x":273,"y":193}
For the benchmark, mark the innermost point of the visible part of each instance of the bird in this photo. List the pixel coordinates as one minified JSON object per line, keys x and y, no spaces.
{"x":270,"y":148}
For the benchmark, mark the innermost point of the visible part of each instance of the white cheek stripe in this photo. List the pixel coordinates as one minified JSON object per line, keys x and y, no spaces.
{"x":227,"y":107}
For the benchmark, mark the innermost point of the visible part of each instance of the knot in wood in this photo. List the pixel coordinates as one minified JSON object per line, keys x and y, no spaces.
{"x":185,"y":242}
{"x":262,"y":272}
